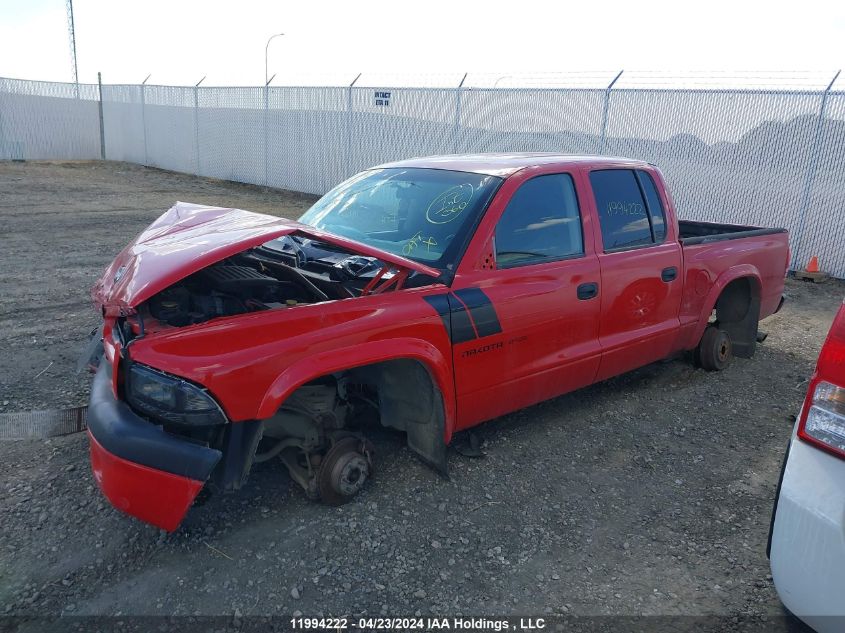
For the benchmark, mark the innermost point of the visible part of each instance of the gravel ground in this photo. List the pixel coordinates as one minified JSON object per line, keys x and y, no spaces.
{"x":647,"y":494}
{"x":62,"y":224}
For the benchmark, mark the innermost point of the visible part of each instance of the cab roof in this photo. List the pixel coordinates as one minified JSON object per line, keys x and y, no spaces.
{"x":505,"y":164}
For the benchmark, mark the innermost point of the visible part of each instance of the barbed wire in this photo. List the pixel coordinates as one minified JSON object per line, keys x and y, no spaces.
{"x":787,"y":80}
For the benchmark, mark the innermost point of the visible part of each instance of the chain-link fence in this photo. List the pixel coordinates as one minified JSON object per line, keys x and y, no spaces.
{"x":771,"y":157}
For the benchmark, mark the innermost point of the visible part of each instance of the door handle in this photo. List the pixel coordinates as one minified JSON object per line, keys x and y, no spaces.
{"x":588,"y":290}
{"x":669,"y":274}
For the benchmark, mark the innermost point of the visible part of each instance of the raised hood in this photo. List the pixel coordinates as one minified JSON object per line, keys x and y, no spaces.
{"x":190,"y":237}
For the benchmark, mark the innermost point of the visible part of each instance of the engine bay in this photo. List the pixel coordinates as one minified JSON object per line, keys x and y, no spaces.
{"x":223,"y":290}
{"x":280,"y":274}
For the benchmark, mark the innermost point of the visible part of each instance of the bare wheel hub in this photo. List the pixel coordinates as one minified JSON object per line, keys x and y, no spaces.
{"x":344,"y":470}
{"x":349,"y":474}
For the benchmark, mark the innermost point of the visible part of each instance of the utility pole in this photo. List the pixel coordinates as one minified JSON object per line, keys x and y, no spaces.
{"x":72,"y":37}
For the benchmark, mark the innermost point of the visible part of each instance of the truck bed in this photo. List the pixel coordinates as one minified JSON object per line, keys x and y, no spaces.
{"x":692,"y":232}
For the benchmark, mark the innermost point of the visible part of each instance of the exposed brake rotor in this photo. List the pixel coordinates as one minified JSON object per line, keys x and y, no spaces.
{"x":344,"y":470}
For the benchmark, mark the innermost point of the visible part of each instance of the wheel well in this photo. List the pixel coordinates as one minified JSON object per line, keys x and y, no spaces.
{"x":738,"y":313}
{"x":313,"y":419}
{"x":735,"y":300}
{"x":408,"y":400}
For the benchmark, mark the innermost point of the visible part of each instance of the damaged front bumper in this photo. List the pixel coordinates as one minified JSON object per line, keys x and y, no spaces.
{"x":142,"y":470}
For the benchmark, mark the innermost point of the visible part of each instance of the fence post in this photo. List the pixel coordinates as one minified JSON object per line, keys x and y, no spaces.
{"x":144,"y":117}
{"x":267,"y":132}
{"x":349,"y":127}
{"x":804,"y":204}
{"x":197,"y":122}
{"x":458,"y":92}
{"x":494,"y":114}
{"x":100,"y":105}
{"x":606,"y":110}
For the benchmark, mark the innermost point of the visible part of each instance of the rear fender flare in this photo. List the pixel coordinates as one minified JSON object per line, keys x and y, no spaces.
{"x":337,"y":360}
{"x":732,"y":274}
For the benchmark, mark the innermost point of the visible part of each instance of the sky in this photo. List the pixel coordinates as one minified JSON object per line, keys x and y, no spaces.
{"x":429,"y":42}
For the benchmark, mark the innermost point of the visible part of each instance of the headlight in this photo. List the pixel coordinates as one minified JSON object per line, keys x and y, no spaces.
{"x":170,"y":399}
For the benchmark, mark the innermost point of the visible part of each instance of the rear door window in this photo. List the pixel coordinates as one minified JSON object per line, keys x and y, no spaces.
{"x":623,"y":215}
{"x":542,"y":222}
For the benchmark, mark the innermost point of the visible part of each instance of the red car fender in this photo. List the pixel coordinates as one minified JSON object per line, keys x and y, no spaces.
{"x":340,"y":359}
{"x":731,"y":274}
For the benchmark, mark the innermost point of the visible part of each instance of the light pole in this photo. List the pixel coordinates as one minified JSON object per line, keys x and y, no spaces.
{"x":266,"y":48}
{"x":496,"y":83}
{"x":266,"y":112}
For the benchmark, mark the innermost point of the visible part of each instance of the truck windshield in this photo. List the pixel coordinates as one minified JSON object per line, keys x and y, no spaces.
{"x":421,"y":214}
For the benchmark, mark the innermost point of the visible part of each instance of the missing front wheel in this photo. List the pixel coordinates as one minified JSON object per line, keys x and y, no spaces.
{"x":336,"y":476}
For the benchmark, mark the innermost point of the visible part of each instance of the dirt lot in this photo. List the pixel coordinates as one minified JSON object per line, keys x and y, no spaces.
{"x":647,"y":494}
{"x":62,"y":224}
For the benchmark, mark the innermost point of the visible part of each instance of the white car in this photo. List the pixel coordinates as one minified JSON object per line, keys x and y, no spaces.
{"x":807,"y":539}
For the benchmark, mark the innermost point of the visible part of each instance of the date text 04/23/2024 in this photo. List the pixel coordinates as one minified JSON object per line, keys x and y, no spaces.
{"x":465,"y":624}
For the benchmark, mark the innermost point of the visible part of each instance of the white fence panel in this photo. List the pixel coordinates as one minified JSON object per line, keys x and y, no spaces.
{"x":531,"y":120}
{"x":307,"y":138}
{"x":823,"y":231}
{"x":726,"y":155}
{"x":764,"y":157}
{"x":124,"y":123}
{"x":230,"y":135}
{"x":43,"y":120}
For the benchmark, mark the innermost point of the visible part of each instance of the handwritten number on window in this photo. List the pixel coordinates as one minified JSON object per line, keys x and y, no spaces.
{"x":411,"y":245}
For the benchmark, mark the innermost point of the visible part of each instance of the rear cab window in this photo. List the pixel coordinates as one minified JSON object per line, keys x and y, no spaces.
{"x":541,"y":223}
{"x":655,"y":206}
{"x":629,"y":208}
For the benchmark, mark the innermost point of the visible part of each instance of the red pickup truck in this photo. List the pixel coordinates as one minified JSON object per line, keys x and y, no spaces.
{"x":427,"y":295}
